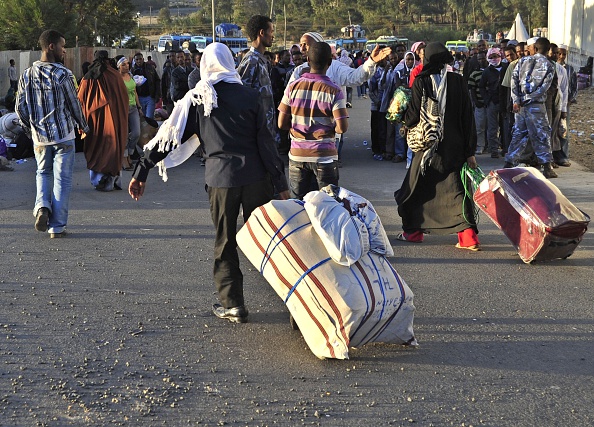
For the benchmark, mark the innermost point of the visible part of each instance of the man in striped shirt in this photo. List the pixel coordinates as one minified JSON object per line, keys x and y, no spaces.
{"x":47,"y":106}
{"x":314,"y":109}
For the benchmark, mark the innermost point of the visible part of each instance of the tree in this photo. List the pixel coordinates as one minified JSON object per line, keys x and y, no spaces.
{"x":223,"y":10}
{"x":164,"y":17}
{"x":243,"y":10}
{"x":23,"y":21}
{"x":112,"y":19}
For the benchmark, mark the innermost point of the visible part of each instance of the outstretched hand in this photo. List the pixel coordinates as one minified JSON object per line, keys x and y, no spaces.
{"x":136,"y":188}
{"x":378,"y":54}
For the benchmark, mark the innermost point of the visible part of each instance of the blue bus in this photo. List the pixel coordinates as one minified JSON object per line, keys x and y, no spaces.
{"x":236,"y":44}
{"x":201,"y":42}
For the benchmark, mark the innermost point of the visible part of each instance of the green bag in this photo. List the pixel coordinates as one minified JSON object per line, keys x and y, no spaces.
{"x":398,"y":104}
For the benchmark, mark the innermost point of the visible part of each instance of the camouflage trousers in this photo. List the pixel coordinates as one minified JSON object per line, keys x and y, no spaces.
{"x":531,"y":132}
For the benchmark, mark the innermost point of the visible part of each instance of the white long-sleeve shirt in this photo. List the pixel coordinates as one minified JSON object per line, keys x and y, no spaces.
{"x":563,"y":84}
{"x":342,"y":75}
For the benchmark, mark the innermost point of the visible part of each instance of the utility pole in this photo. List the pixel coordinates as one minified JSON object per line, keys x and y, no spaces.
{"x":214,"y":36}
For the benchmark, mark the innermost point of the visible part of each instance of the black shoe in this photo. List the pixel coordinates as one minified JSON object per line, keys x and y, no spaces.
{"x":235,"y":314}
{"x":102,"y":183}
{"x":507,"y":165}
{"x":41,"y":219}
{"x":548,"y":171}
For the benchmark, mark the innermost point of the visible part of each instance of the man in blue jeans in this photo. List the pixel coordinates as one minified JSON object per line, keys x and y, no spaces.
{"x":48,"y":107}
{"x":150,"y":91}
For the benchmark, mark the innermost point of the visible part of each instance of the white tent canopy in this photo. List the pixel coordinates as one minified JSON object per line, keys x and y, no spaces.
{"x":518,"y":30}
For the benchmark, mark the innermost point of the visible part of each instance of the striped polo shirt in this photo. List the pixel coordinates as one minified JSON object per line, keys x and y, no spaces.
{"x":311,"y":101}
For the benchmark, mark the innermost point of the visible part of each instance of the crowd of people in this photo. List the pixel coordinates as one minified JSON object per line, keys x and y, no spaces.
{"x":250,"y":110}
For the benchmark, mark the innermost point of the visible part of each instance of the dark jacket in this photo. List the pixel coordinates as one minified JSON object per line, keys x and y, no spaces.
{"x":459,"y":134}
{"x":166,"y":83}
{"x":179,"y":83}
{"x":152,"y":86}
{"x":505,"y":104}
{"x":278,"y":79}
{"x":489,"y":85}
{"x":238,"y":146}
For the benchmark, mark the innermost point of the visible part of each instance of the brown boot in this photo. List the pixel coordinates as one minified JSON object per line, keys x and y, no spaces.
{"x":548,"y":171}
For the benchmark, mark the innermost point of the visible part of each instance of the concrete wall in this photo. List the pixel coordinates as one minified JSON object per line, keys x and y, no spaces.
{"x":74,"y":59}
{"x":571,"y":22}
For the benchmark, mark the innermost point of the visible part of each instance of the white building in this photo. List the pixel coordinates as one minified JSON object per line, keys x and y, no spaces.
{"x":571,"y":22}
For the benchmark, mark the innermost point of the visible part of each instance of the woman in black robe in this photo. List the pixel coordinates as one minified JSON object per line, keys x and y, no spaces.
{"x":433,"y":201}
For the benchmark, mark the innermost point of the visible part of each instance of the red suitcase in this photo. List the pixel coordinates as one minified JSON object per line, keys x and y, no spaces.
{"x":538,"y":220}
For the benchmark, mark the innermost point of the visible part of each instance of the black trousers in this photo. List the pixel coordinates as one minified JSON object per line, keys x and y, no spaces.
{"x":378,"y":132}
{"x":225,"y":204}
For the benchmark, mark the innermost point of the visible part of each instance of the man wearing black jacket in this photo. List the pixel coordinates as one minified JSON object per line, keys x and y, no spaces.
{"x":150,"y":91}
{"x":489,"y":87}
{"x":243,"y":168}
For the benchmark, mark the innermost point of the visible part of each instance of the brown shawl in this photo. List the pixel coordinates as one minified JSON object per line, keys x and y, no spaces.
{"x":105,"y":106}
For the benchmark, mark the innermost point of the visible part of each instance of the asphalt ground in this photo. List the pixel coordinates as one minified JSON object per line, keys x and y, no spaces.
{"x":111,"y":325}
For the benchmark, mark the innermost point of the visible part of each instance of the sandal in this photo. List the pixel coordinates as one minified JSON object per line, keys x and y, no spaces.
{"x":473,"y":248}
{"x":127,"y":164}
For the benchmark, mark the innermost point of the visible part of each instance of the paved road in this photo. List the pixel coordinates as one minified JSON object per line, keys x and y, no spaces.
{"x":112,"y":325}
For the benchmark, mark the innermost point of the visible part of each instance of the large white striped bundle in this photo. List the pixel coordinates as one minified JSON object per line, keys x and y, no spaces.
{"x":335,"y":306}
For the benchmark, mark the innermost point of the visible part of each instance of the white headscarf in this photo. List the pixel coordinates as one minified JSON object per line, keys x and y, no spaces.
{"x":216,"y":65}
{"x":410,"y":52}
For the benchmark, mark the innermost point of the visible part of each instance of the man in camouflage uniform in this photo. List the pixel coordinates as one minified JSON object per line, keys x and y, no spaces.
{"x":254,"y":68}
{"x":530,"y":81}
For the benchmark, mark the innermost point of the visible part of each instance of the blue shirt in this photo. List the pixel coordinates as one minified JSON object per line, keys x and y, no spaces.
{"x":47,"y":103}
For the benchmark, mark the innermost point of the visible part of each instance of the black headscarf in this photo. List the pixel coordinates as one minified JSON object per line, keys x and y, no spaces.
{"x":98,"y":66}
{"x":436,"y":57}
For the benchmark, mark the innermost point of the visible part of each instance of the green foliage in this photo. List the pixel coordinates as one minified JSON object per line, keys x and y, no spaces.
{"x":22,"y":21}
{"x":430,"y":32}
{"x":164,"y":17}
{"x":243,"y":10}
{"x":115,"y":18}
